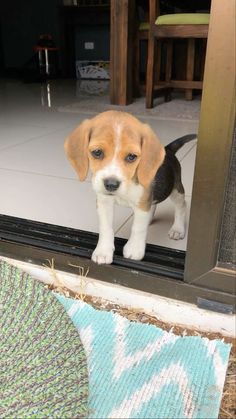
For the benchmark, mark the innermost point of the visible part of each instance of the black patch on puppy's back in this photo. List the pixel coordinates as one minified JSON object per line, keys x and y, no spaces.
{"x":168,"y":176}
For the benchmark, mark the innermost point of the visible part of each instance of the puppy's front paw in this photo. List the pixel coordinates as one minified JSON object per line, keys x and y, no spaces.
{"x":134,"y":250}
{"x":102,"y":255}
{"x":176,"y":233}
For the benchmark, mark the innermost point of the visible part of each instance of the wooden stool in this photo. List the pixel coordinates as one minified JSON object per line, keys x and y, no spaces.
{"x":189,"y":26}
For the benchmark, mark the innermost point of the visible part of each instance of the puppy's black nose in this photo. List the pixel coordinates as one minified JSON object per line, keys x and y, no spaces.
{"x":111,"y":184}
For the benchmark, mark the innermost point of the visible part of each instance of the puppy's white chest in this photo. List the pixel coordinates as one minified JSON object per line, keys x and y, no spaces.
{"x":130,"y":197}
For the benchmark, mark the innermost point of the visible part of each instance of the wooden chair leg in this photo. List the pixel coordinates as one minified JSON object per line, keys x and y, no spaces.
{"x":157,"y":63}
{"x":169,"y":55}
{"x":169,"y":58}
{"x":136,"y":67}
{"x":203,"y":57}
{"x":190,"y":67}
{"x":150,"y":73}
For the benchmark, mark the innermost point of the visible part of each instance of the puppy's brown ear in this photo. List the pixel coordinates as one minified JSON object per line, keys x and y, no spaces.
{"x":152,"y":156}
{"x":76,"y":148}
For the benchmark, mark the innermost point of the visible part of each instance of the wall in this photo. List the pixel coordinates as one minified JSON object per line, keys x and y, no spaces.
{"x":22,"y":21}
{"x":99,"y":35}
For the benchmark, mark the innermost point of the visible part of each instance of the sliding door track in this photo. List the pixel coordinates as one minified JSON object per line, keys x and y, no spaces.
{"x":68,"y":241}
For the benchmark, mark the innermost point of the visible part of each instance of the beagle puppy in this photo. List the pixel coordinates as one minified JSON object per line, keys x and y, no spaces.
{"x":130,"y":167}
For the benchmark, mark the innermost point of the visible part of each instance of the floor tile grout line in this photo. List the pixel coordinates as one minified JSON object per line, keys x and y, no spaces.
{"x":187,"y":152}
{"x":40,"y":174}
{"x":60,"y":178}
{"x":7,"y":148}
{"x":140,"y":116}
{"x":123,"y":224}
{"x":66,"y":109}
{"x":3,"y":169}
{"x":22,"y":125}
{"x":131,"y":215}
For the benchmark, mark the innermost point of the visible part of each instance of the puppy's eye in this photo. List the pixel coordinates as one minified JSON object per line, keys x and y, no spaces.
{"x":97,"y":154}
{"x":130,"y":158}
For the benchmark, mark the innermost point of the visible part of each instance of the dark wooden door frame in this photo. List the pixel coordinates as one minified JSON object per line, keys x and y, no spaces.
{"x":213,"y":154}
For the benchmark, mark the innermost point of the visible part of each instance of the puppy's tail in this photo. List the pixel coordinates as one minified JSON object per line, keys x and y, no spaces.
{"x":177,"y":144}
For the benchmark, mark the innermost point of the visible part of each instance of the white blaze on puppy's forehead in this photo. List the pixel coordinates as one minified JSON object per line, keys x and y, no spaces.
{"x":117,"y":131}
{"x":113,"y":169}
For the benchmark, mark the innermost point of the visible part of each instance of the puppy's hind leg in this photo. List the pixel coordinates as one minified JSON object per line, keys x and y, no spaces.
{"x":177,"y":230}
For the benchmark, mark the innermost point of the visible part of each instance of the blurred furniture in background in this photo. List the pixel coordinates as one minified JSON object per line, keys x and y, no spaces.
{"x":142,"y":33}
{"x":85,"y":21}
{"x":189,"y":26}
{"x":125,"y":49}
{"x":47,"y":56}
{"x":123,"y":17}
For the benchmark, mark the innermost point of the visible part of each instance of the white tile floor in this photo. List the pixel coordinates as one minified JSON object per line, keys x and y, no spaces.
{"x":36,"y":179}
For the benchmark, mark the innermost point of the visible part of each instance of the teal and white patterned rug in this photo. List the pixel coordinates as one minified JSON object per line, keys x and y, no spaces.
{"x":140,"y":371}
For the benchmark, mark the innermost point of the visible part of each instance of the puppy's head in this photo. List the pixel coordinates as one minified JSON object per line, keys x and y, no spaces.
{"x":118,"y":149}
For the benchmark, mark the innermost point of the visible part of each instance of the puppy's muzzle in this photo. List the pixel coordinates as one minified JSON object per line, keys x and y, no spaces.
{"x":111,"y":184}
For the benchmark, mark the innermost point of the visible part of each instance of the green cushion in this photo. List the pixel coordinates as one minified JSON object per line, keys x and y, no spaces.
{"x":144,"y":26}
{"x":184,"y":19}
